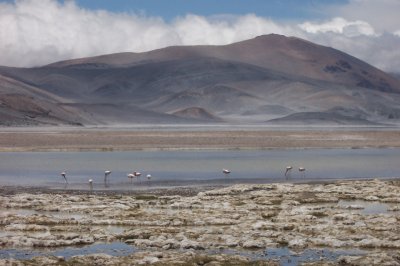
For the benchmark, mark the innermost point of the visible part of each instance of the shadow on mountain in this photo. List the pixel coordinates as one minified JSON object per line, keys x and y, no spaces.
{"x":320,"y":118}
{"x":269,"y":78}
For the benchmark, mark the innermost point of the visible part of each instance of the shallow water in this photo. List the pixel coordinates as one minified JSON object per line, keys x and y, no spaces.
{"x":172,"y":168}
{"x":29,"y":212}
{"x":285,"y":256}
{"x":367,"y":207}
{"x":359,"y":206}
{"x":288,"y":258}
{"x":20,"y":212}
{"x":114,"y":249}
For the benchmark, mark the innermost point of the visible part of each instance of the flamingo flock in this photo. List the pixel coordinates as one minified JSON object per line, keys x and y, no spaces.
{"x":289,"y":168}
{"x":136,"y":174}
{"x":106,"y":174}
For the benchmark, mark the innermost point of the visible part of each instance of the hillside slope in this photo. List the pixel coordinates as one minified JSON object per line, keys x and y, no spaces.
{"x":253,"y":81}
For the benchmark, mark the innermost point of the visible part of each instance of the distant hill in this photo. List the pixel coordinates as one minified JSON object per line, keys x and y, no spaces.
{"x":24,"y":104}
{"x":319,"y":118}
{"x":395,"y":75}
{"x":271,"y":77}
{"x":198,"y":114}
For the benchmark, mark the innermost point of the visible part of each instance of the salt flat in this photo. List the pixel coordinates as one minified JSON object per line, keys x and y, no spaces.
{"x":111,"y":139}
{"x":238,"y":225}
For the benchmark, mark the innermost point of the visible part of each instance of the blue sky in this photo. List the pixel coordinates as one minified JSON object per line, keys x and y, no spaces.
{"x":38,"y":32}
{"x":169,"y":9}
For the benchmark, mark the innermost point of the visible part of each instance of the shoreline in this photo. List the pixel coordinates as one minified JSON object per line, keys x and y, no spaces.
{"x":184,"y":190}
{"x":16,"y":150}
{"x":178,"y":140}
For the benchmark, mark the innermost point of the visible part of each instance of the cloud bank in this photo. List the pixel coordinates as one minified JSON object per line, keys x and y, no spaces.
{"x":38,"y":32}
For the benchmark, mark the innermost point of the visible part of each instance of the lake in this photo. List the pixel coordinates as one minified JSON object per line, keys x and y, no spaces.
{"x":172,"y":168}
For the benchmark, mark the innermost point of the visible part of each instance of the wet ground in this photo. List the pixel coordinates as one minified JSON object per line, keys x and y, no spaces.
{"x":353,"y":222}
{"x":283,"y":256}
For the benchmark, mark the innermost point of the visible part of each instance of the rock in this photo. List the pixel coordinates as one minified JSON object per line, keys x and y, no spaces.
{"x":369,"y":243}
{"x":231,"y":241}
{"x":269,"y":214}
{"x":148,"y":260}
{"x":288,"y":227}
{"x":26,"y":227}
{"x":371,"y":198}
{"x":253,"y":243}
{"x":369,"y":259}
{"x":353,"y":207}
{"x":297,"y":243}
{"x":189,"y":244}
{"x":340,"y":217}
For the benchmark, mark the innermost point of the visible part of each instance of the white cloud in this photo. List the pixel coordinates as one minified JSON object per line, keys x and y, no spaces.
{"x":37,"y":32}
{"x":194,"y":29}
{"x":383,"y":15}
{"x":41,"y":31}
{"x":339,"y":25}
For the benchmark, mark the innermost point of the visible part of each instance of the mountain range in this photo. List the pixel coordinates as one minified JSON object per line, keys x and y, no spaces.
{"x":271,"y":79}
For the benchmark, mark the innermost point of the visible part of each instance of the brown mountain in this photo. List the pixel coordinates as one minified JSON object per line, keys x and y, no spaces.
{"x":24,"y":104}
{"x":198,"y":114}
{"x":253,"y":81}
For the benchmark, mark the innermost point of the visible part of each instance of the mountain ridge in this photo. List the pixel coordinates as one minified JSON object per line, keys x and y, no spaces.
{"x":259,"y":56}
{"x":252,"y":81}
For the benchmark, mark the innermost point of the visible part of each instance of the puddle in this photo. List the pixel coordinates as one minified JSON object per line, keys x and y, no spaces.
{"x":361,"y":206}
{"x":365,"y":207}
{"x":113,"y":249}
{"x":65,"y":215}
{"x":20,"y":212}
{"x":112,"y":229}
{"x":116,"y":229}
{"x":286,"y":257}
{"x":29,"y":212}
{"x":4,"y":234}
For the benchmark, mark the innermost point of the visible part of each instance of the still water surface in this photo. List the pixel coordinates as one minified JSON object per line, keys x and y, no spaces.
{"x":171,"y":168}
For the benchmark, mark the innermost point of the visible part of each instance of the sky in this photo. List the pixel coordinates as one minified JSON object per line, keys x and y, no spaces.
{"x":38,"y":32}
{"x":170,"y":9}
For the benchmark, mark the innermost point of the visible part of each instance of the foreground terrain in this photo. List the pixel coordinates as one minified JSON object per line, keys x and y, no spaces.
{"x":346,"y":223}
